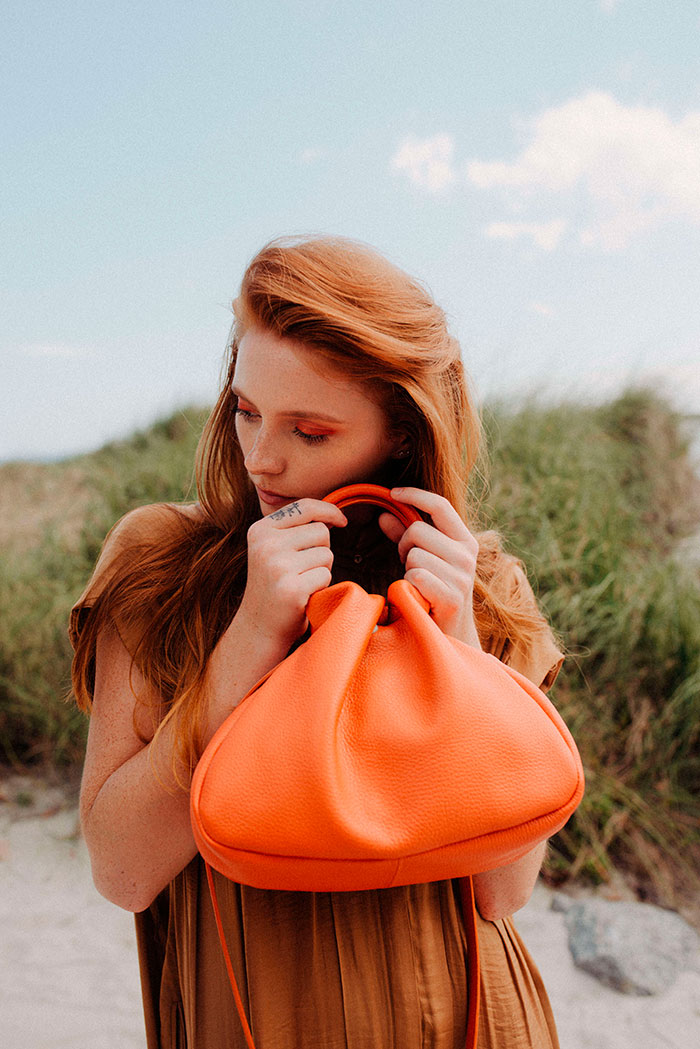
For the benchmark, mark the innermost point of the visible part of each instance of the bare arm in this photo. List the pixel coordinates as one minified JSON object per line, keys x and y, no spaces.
{"x":135,"y":816}
{"x":503,"y":891}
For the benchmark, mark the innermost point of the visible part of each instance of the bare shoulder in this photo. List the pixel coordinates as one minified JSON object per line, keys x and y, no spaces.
{"x":141,"y":530}
{"x":144,"y":523}
{"x":147,"y":527}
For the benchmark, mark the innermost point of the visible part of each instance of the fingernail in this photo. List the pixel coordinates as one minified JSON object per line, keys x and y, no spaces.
{"x":396,"y":491}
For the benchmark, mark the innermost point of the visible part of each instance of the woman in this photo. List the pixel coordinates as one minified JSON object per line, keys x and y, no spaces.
{"x":341,"y":370}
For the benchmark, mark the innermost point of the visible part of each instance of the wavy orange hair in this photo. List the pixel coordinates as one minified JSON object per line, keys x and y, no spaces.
{"x":176,"y":593}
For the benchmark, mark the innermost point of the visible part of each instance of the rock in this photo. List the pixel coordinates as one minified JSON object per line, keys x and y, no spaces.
{"x":562,"y":903}
{"x":635,"y":948}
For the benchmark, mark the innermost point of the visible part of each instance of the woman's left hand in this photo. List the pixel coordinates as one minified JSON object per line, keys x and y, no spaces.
{"x":440,"y":560}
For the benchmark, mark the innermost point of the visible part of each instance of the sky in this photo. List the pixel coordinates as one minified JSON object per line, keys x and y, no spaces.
{"x":535,"y":163}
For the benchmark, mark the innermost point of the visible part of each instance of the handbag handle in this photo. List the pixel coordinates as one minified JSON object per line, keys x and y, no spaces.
{"x":375,"y":495}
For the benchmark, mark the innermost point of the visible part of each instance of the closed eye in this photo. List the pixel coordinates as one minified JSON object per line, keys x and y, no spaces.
{"x":311,"y":438}
{"x":244,"y":409}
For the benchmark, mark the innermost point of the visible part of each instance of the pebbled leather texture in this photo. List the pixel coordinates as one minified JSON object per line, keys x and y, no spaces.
{"x":382,"y":753}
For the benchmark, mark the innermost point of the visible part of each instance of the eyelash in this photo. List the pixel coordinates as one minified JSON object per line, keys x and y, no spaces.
{"x":310,"y":438}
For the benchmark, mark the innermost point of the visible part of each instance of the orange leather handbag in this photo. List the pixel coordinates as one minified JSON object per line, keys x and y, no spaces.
{"x":379,"y":753}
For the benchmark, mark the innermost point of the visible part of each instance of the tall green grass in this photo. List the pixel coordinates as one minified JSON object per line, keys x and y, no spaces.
{"x":41,"y":576}
{"x":597,"y":502}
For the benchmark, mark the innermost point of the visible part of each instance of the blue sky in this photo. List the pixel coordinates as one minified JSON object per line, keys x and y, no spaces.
{"x":537,"y":164}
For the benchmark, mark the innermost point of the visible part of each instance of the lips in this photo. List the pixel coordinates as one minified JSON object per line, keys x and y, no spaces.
{"x":273,"y":499}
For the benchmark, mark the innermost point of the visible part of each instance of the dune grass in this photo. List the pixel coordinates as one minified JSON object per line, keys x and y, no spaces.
{"x":46,"y":565}
{"x":598,"y":502}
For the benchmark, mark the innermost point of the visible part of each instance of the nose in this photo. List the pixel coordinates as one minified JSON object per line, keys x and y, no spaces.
{"x":263,"y":457}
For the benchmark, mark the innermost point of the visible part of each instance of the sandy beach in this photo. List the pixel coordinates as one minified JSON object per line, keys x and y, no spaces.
{"x":68,"y":971}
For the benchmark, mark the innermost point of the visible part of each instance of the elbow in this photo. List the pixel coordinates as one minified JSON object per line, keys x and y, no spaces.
{"x":116,"y":874}
{"x":493,"y":906}
{"x":122,"y":890}
{"x":504,"y":890}
{"x":118,"y":878}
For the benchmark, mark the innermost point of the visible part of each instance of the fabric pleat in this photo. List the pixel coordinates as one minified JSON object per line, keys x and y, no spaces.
{"x":383,"y":969}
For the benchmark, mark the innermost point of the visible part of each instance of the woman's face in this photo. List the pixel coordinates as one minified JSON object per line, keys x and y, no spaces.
{"x":304,"y":428}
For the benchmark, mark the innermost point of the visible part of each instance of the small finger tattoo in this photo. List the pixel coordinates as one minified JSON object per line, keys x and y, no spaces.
{"x":286,"y":511}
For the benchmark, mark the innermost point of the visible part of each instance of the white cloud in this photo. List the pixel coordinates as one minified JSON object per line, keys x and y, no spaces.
{"x":636,"y":166}
{"x":546,"y":235}
{"x":57,"y":351}
{"x":427,"y":162}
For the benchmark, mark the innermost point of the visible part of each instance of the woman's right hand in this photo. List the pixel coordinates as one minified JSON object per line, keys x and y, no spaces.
{"x":289,"y":559}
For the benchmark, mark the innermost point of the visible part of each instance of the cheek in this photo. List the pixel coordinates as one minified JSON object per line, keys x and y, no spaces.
{"x":365,"y":458}
{"x":242,"y":436}
{"x":379,"y":450}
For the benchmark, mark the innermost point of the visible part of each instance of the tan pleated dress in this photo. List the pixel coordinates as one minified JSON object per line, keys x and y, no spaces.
{"x":379,"y":969}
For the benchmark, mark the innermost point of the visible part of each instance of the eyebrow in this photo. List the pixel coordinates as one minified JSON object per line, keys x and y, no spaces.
{"x":321,"y":416}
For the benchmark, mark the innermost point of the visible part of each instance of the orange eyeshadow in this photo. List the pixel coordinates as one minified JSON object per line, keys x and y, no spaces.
{"x":314,"y":431}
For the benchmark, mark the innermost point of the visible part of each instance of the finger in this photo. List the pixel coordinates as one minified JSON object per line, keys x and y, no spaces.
{"x":308,"y":536}
{"x":418,"y":558}
{"x":461,"y":553}
{"x":455,"y":579}
{"x":296,"y":587}
{"x":270,"y":537}
{"x":441,"y":510}
{"x":434,"y":590}
{"x":306,"y":560}
{"x":315,"y":579}
{"x":391,"y":527}
{"x":302,"y":510}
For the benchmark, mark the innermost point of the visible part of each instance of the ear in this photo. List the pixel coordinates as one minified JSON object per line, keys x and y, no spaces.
{"x":400,"y":446}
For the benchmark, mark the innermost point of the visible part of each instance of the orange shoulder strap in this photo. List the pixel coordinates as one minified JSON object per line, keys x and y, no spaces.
{"x":473,"y":968}
{"x":473,"y":971}
{"x":229,"y":965}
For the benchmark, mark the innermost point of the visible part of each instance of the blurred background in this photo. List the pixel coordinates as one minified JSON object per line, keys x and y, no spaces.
{"x":537,"y":164}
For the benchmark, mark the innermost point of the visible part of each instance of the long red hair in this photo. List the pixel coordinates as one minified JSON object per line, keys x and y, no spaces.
{"x":174,"y":593}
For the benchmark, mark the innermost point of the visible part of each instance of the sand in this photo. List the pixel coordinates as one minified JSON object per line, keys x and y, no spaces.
{"x":68,"y":971}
